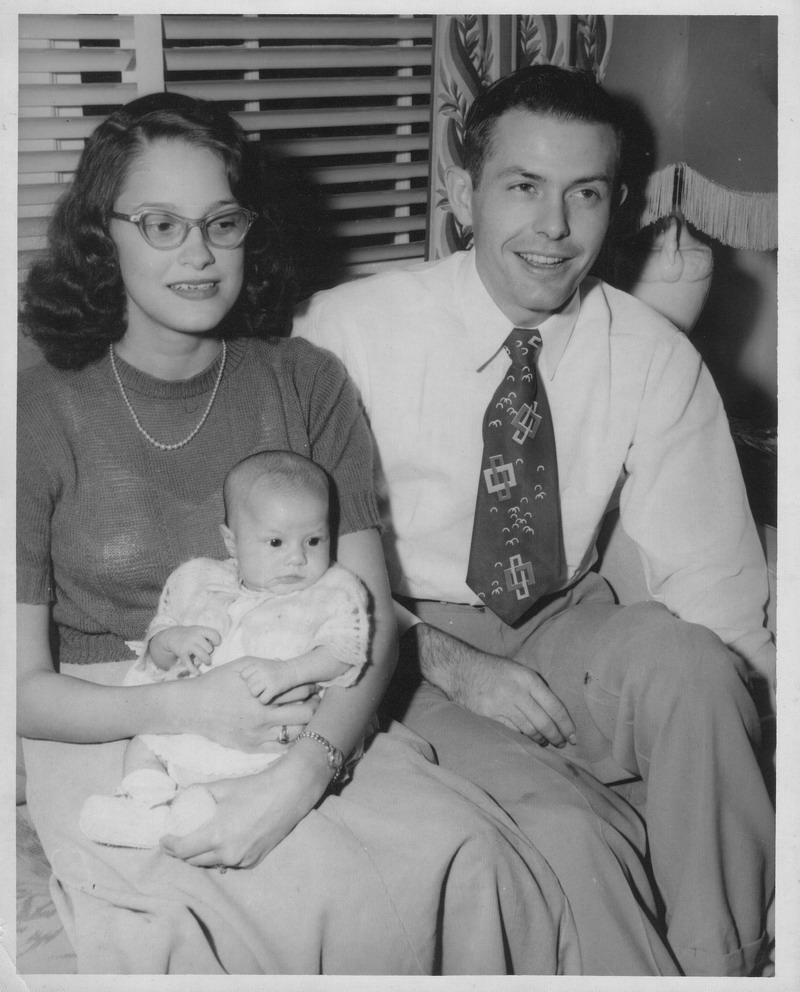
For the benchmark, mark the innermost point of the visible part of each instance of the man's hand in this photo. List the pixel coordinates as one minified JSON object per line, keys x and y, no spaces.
{"x":494,"y":686}
{"x":517,"y":697}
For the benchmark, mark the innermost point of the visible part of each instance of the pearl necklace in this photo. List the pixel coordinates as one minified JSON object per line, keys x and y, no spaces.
{"x":142,"y":431}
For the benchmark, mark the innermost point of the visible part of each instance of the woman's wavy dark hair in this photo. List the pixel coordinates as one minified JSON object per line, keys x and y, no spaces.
{"x":74,"y":302}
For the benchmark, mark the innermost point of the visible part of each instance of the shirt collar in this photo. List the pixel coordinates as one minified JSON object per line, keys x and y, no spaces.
{"x":490,"y":326}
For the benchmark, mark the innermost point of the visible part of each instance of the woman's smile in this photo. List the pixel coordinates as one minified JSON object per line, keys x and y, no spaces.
{"x":195,"y":290}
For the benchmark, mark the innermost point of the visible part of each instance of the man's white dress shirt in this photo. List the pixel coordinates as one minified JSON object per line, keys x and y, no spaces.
{"x":636,"y":414}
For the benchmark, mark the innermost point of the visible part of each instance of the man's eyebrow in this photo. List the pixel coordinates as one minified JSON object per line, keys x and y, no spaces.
{"x":601,"y":177}
{"x":520,"y":172}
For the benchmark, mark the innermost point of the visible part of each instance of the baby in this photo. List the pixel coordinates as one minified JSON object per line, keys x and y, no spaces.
{"x":277,"y":598}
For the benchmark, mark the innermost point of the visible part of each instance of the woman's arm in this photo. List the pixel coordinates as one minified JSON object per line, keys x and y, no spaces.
{"x":344,"y":714}
{"x":255,"y":813}
{"x":57,"y":707}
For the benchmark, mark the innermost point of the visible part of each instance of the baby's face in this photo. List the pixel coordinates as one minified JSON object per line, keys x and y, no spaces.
{"x":282,"y":541}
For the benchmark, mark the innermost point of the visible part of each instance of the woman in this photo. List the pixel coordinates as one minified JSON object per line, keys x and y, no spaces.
{"x":154,"y":308}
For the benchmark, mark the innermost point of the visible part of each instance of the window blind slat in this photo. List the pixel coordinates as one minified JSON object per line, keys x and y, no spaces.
{"x":39,"y":194}
{"x":304,"y":89}
{"x":69,"y":27}
{"x":368,"y":144}
{"x":66,"y":128}
{"x":370,"y":268}
{"x":288,"y":27}
{"x":56,"y":161}
{"x":73,"y":60}
{"x":382,"y":253}
{"x":79,"y":94}
{"x":32,"y":227}
{"x":379,"y":172}
{"x":381,"y":198}
{"x":369,"y":226}
{"x":285,"y":120}
{"x":293,"y":58}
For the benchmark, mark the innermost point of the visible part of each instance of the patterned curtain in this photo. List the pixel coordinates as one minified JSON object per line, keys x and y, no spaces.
{"x":470,"y":52}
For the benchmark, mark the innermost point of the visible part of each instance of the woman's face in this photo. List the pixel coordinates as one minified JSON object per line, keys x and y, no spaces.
{"x":183,"y":290}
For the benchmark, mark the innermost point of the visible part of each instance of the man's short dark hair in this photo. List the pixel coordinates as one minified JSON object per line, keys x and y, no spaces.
{"x":568,"y":94}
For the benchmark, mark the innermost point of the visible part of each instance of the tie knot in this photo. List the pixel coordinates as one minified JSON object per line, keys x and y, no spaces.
{"x":523,"y":344}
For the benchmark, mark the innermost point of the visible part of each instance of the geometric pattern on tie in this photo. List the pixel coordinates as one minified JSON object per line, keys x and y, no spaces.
{"x":517,"y":549}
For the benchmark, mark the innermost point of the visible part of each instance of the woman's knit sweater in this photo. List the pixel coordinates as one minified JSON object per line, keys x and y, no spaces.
{"x":104,"y":516}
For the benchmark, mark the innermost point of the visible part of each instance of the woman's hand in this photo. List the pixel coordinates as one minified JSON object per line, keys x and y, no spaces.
{"x":254,"y":813}
{"x":219,"y":705}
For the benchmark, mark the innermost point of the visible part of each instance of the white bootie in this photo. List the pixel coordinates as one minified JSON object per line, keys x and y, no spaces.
{"x":122,"y":821}
{"x":126,"y":821}
{"x":148,"y":787}
{"x":189,"y":810}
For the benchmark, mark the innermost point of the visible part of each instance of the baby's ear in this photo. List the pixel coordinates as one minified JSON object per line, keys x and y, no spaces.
{"x":229,"y":539}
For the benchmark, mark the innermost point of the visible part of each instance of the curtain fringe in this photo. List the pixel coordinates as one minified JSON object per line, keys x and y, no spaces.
{"x":736,"y":218}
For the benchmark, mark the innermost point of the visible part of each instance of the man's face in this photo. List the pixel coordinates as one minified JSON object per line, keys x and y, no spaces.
{"x":540,"y":211}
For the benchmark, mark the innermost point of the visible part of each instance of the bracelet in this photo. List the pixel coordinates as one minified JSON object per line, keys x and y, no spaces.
{"x":335,"y":756}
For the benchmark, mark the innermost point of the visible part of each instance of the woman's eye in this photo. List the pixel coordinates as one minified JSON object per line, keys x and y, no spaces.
{"x":160,"y":225}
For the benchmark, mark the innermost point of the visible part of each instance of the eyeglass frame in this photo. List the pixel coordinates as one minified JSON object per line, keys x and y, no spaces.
{"x":189,"y":223}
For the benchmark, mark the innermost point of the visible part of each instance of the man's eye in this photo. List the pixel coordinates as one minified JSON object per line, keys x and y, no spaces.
{"x":588,"y":194}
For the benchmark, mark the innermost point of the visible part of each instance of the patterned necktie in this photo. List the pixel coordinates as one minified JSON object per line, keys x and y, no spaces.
{"x":517,"y":553}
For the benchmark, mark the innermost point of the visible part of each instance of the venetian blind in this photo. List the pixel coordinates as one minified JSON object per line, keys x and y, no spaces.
{"x":347,"y":95}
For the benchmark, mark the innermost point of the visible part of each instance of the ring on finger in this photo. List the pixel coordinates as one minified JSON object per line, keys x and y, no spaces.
{"x":283,"y":736}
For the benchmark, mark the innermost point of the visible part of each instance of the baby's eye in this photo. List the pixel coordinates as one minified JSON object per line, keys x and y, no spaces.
{"x":275,"y":542}
{"x":314,"y":541}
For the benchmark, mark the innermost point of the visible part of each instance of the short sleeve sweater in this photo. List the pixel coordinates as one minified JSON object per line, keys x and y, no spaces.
{"x":104,"y":517}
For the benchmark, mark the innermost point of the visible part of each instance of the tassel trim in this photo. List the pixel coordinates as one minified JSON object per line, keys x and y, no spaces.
{"x":736,"y":218}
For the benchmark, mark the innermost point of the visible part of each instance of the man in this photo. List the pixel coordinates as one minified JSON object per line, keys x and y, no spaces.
{"x":635,"y":416}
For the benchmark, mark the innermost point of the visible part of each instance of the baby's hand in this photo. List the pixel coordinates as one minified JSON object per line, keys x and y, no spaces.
{"x":192,"y":647}
{"x":267,"y":678}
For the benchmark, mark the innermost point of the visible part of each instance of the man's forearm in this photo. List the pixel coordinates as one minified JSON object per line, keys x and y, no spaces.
{"x":443,"y":660}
